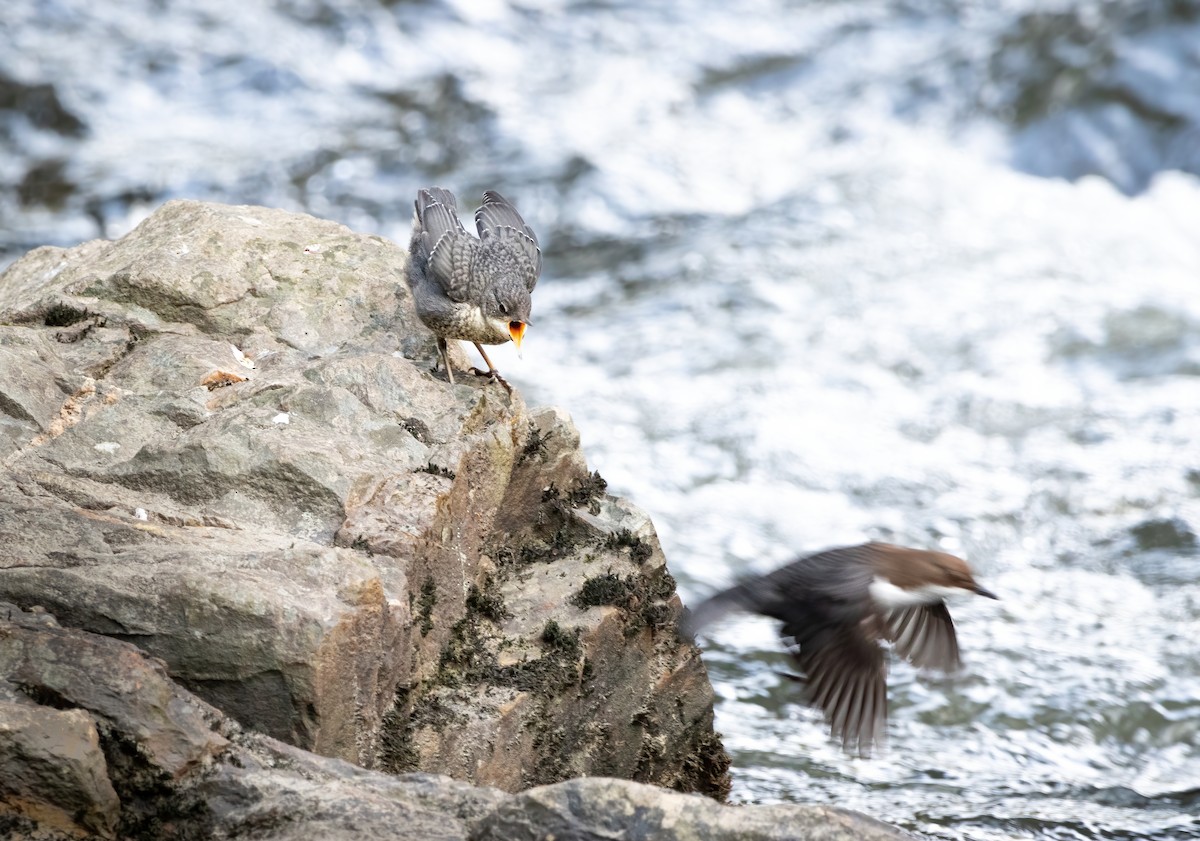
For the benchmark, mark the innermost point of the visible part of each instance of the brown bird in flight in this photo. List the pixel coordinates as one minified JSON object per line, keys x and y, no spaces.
{"x":838,"y":607}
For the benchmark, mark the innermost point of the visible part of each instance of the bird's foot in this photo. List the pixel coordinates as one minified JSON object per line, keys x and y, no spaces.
{"x":493,"y":376}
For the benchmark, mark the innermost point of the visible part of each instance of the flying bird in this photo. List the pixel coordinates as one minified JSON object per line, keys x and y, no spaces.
{"x":838,"y":608}
{"x":476,"y":290}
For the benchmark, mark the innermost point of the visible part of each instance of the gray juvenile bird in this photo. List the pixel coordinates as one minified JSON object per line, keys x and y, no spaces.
{"x":837,"y":608}
{"x":477,"y":290}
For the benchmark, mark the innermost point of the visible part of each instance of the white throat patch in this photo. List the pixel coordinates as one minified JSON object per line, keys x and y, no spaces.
{"x":886,"y":594}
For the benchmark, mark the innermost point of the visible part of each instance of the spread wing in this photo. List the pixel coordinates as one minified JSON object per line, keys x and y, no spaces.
{"x":924,"y":636}
{"x":843,"y":674}
{"x":831,"y":632}
{"x":451,"y":249}
{"x":497,"y":220}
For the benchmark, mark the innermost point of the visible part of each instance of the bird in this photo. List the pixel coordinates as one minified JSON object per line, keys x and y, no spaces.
{"x":838,"y":607}
{"x":477,"y":290}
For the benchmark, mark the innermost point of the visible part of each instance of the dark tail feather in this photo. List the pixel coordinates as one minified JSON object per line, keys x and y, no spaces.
{"x":716,"y":607}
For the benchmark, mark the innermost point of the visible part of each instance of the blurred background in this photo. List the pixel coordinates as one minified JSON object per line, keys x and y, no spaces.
{"x":925,"y":271}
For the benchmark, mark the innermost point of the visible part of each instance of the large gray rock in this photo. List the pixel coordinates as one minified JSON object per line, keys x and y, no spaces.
{"x":53,"y":772}
{"x":599,"y":809}
{"x":97,"y":742}
{"x":220,"y":440}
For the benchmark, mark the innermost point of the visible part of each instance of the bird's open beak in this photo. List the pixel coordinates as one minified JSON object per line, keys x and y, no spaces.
{"x":986,"y":593}
{"x":516,"y":329}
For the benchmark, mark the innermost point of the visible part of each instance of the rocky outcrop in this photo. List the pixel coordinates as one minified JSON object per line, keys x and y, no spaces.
{"x":96,"y":741}
{"x":254,"y":556}
{"x":221,"y":441}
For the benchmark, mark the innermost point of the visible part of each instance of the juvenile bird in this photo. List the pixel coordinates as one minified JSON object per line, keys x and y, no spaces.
{"x":477,"y":290}
{"x":837,"y":608}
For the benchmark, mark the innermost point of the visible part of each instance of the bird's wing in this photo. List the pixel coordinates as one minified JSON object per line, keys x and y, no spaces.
{"x":437,"y":212}
{"x":924,"y":636}
{"x":496,"y":217}
{"x":830,"y":628}
{"x":450,"y":264}
{"x":839,"y":575}
{"x":843,"y":675}
{"x":451,"y":249}
{"x":830,"y":578}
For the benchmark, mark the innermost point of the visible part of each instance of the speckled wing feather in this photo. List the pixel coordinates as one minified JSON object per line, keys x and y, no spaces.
{"x":499,"y":222}
{"x":451,"y":249}
{"x":924,"y":636}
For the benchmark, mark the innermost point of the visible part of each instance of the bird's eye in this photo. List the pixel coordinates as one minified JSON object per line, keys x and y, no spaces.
{"x":504,"y":309}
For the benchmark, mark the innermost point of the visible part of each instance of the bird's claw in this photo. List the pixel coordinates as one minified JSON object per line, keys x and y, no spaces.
{"x":493,"y":376}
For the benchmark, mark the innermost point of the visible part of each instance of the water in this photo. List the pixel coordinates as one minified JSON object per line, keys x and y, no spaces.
{"x":809,"y":280}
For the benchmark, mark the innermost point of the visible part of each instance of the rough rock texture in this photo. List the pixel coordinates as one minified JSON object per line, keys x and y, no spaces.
{"x":52,"y":770}
{"x":598,"y":809}
{"x":154,"y":762}
{"x":220,"y":440}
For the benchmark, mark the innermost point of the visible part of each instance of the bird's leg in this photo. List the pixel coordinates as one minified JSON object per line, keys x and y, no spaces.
{"x":491,"y":373}
{"x":444,"y":352}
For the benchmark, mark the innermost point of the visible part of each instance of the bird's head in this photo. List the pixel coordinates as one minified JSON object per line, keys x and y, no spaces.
{"x":953,"y":573}
{"x":917,"y":576}
{"x":508,"y":310}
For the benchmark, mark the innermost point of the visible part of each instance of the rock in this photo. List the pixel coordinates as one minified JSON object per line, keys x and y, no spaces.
{"x":285,"y":796}
{"x":597,"y":809}
{"x":541,"y":662}
{"x":89,"y":726}
{"x":69,"y":747}
{"x":112,"y":680}
{"x":220,"y":441}
{"x":53,"y":772}
{"x":182,"y":770}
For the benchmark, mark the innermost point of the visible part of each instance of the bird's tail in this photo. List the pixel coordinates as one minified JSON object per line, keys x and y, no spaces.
{"x":739,"y":597}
